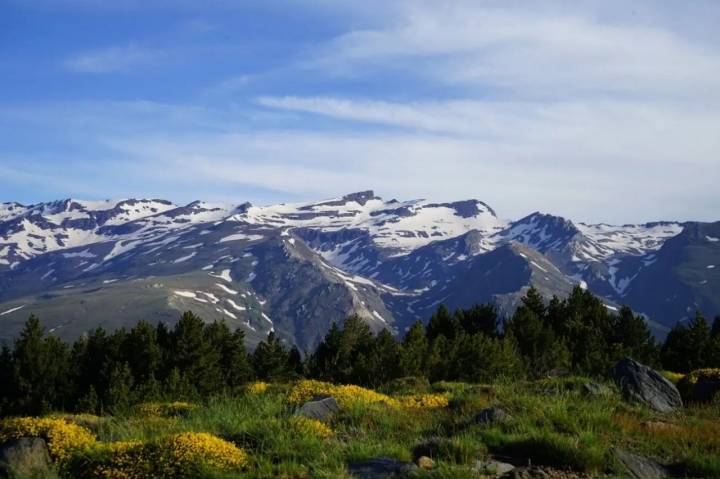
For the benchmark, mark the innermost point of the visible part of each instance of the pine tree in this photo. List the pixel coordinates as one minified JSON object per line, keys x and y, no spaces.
{"x":538,"y":345}
{"x":383,"y":362}
{"x":270,"y":360}
{"x":40,"y":379}
{"x":441,"y":323}
{"x":142,"y":351}
{"x":414,"y":352}
{"x":632,"y":333}
{"x":295,"y":363}
{"x":479,"y":319}
{"x":236,"y":366}
{"x":119,"y":396}
{"x":194,"y":355}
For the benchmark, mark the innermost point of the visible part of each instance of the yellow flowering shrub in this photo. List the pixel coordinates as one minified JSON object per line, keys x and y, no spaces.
{"x":63,"y":438}
{"x":347,"y":395}
{"x":687,"y":384}
{"x":167,"y":409}
{"x":310,"y":427}
{"x":122,"y":460}
{"x":423,"y":401}
{"x":193,"y":448}
{"x":672,"y":377}
{"x":257,"y":387}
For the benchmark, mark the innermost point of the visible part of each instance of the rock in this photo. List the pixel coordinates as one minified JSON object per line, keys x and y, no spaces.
{"x":639,"y":467}
{"x":425,"y":462}
{"x":320,"y":409}
{"x":642,"y":384}
{"x":381,"y":468}
{"x":491,"y":415}
{"x":26,"y":457}
{"x":492,"y":467}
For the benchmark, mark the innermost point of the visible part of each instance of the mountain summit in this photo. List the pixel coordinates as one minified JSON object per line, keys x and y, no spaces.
{"x":297,"y":268}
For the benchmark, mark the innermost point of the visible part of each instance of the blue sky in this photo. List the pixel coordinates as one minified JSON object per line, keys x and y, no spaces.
{"x":597,"y":111}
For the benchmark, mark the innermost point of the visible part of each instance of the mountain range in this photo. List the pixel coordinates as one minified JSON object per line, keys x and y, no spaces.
{"x":297,"y":268}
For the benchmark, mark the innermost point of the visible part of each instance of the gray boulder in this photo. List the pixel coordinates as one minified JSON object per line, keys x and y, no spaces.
{"x":491,"y":467}
{"x":641,"y":384}
{"x":381,"y":468}
{"x":26,"y":457}
{"x":639,"y":467}
{"x":320,"y":409}
{"x":491,"y":415}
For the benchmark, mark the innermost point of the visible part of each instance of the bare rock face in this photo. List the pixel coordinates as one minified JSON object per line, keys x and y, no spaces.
{"x":641,"y":384}
{"x":26,"y":457}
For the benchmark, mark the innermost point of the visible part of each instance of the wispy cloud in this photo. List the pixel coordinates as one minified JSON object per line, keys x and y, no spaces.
{"x":531,"y":52}
{"x":115,"y":59}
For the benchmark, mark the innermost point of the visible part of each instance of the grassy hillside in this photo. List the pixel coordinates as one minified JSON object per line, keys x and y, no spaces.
{"x":556,"y":423}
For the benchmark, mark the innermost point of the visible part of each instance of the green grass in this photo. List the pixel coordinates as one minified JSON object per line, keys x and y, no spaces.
{"x":552,"y":422}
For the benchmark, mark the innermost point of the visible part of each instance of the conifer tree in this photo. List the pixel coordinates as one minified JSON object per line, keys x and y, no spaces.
{"x":632,"y":333}
{"x":441,"y":323}
{"x":413,"y":356}
{"x":270,"y":359}
{"x":480,"y":318}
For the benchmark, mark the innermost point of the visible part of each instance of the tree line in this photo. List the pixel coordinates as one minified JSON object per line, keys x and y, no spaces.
{"x":105,"y":372}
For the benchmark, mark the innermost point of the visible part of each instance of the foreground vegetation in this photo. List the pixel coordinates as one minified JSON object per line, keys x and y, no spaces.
{"x":108,"y":373}
{"x":192,"y":402}
{"x":552,"y":422}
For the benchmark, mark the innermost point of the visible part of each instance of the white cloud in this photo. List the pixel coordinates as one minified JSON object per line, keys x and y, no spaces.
{"x":530,"y":52}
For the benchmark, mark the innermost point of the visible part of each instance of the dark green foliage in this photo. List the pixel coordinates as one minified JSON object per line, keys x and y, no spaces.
{"x":109,"y":372}
{"x":271,"y":360}
{"x":691,"y":346}
{"x":414,"y":352}
{"x":480,"y":318}
{"x":634,"y":337}
{"x":39,"y":371}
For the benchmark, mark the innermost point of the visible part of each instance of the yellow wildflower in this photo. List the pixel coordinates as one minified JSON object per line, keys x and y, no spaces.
{"x":193,"y":448}
{"x":310,"y":427}
{"x":257,"y":387}
{"x":62,"y":437}
{"x":347,"y":395}
{"x":423,"y":401}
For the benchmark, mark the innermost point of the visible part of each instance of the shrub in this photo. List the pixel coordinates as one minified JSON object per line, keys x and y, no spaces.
{"x":63,"y":438}
{"x":310,"y":427}
{"x":687,"y":385}
{"x":257,"y":387}
{"x":190,"y":449}
{"x":422,"y":401}
{"x":672,"y":376}
{"x":115,"y":460}
{"x":348,"y":395}
{"x":176,"y":456}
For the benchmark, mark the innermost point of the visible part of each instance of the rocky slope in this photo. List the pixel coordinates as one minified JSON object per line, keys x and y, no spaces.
{"x":296,"y":268}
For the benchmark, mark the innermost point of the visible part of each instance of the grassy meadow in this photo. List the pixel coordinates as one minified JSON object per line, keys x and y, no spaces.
{"x":254,"y":433}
